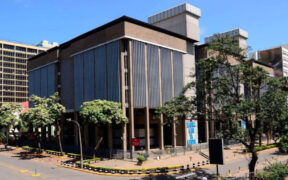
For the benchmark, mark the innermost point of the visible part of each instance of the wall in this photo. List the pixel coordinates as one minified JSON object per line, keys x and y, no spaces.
{"x":42,"y":81}
{"x":171,"y":74}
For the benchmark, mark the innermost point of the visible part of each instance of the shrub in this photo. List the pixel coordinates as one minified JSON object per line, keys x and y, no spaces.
{"x":140,"y":159}
{"x":261,"y":148}
{"x":283,"y":144}
{"x":274,"y":171}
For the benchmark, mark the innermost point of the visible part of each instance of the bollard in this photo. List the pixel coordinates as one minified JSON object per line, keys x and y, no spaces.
{"x":193,"y":165}
{"x":198,"y":164}
{"x":203,"y":163}
{"x":188,"y":166}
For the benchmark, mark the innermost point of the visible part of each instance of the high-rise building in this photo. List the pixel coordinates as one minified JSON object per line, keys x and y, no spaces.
{"x":277,"y":57}
{"x":13,"y":70}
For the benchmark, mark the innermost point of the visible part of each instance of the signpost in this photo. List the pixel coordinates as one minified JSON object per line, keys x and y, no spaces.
{"x":135,"y":142}
{"x":216,"y":152}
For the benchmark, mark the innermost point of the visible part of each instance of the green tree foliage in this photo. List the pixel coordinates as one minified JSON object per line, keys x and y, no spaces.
{"x":9,"y":118}
{"x":283,"y":144}
{"x":220,"y":98}
{"x":45,"y":112}
{"x":102,"y":112}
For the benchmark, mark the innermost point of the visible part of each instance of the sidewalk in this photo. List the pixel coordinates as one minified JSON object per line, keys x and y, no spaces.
{"x":188,"y":159}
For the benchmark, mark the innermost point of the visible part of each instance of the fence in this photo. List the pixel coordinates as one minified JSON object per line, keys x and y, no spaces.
{"x":167,"y":152}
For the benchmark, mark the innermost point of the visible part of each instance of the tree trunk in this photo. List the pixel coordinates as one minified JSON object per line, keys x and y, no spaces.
{"x":58,"y":133}
{"x":252,"y":163}
{"x":38,"y":140}
{"x":260,"y":139}
{"x":15,"y":137}
{"x":7,"y":138}
{"x":97,"y":146}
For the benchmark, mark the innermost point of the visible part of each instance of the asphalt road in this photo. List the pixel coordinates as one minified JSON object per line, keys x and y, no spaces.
{"x":242,"y":163}
{"x":13,"y":168}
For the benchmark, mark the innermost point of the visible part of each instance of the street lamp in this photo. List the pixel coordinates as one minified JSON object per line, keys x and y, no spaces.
{"x":80,"y":140}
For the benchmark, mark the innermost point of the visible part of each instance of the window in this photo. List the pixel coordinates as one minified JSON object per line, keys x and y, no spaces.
{"x":9,"y":65}
{"x":6,"y":46}
{"x":21,"y":83}
{"x":21,"y":66}
{"x":21,"y":61}
{"x":21,"y":78}
{"x":20,"y":72}
{"x":8,"y":59}
{"x":8,"y":53}
{"x":20,"y":49}
{"x":21,"y":89}
{"x":32,"y":50}
{"x":20,"y":55}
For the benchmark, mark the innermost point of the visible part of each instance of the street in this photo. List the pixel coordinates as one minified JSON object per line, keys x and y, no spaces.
{"x":13,"y":168}
{"x":240,"y":166}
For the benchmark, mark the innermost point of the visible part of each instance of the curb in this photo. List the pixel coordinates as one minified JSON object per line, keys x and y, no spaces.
{"x":132,"y":175}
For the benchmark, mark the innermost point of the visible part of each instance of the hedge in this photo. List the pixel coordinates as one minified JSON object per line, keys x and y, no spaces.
{"x":261,"y":148}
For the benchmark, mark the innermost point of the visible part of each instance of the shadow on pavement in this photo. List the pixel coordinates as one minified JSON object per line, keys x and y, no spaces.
{"x":160,"y":177}
{"x":3,"y":149}
{"x":29,"y":155}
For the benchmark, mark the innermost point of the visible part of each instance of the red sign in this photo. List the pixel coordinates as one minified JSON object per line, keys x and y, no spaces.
{"x":135,"y":142}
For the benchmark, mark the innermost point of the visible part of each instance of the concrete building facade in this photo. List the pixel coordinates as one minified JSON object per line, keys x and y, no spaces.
{"x":135,"y":63}
{"x":277,"y":57}
{"x":13,"y":70}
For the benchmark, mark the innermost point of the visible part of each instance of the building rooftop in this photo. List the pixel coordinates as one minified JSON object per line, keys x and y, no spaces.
{"x":231,"y":33}
{"x":121,"y":19}
{"x":175,"y":11}
{"x":22,"y":44}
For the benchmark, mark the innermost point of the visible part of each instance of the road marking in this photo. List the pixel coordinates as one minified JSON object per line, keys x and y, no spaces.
{"x":185,"y":175}
{"x":35,"y":175}
{"x":24,"y":171}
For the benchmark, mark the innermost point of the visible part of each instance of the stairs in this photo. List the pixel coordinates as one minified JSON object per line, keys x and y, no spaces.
{"x":204,"y":155}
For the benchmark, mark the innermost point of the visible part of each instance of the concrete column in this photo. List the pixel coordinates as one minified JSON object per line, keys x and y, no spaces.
{"x":184,"y":133}
{"x":147,"y":130}
{"x":161,"y":133}
{"x":131,"y":105}
{"x":161,"y":130}
{"x":123,"y":103}
{"x":147,"y":116}
{"x":110,"y":139}
{"x":206,"y":130}
{"x":174,"y":134}
{"x":86,"y":135}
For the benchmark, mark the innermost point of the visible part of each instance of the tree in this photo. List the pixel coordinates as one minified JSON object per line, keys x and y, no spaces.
{"x":220,"y":97}
{"x":275,"y":115}
{"x":100,"y":113}
{"x":9,"y":118}
{"x":45,"y":111}
{"x":56,"y":110}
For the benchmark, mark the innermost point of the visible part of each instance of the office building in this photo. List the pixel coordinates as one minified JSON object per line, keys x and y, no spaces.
{"x":277,"y":57}
{"x":13,"y":70}
{"x":138,"y":64}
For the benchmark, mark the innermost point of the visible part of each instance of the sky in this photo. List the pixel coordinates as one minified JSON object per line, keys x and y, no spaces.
{"x":30,"y":21}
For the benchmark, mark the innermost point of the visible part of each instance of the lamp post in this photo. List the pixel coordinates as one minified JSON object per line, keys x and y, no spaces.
{"x":80,"y":140}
